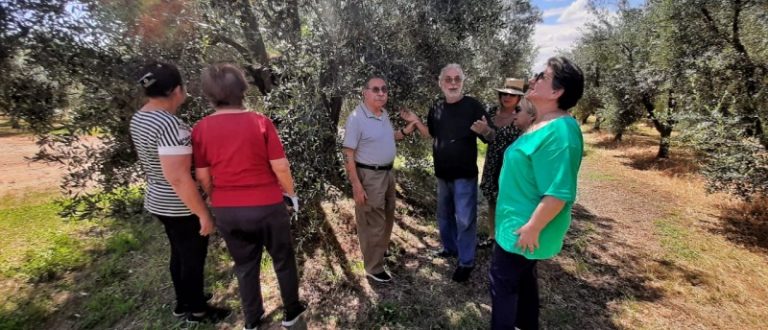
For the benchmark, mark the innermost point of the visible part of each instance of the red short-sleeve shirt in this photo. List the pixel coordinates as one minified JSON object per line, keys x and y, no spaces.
{"x":237,"y":147}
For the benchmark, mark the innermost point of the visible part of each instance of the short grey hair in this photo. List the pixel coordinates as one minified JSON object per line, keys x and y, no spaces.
{"x":451,"y":66}
{"x":526,"y":105}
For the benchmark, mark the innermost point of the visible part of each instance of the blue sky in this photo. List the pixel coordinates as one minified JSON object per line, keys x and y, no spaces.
{"x":563,"y":24}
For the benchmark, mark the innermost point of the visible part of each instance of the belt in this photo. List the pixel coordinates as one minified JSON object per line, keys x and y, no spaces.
{"x":374,"y":167}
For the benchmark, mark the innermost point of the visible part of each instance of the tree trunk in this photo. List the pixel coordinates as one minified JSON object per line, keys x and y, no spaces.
{"x":663,"y":127}
{"x":745,"y":65}
{"x":664,"y":142}
{"x":262,"y":76}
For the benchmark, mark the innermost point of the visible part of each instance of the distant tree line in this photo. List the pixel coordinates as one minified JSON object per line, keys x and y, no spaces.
{"x":698,"y":67}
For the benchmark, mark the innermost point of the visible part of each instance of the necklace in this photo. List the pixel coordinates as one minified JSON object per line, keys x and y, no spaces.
{"x":552,"y":115}
{"x":230,"y":110}
{"x":544,"y":119}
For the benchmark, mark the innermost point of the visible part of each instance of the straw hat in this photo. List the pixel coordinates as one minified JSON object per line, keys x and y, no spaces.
{"x":514,"y":86}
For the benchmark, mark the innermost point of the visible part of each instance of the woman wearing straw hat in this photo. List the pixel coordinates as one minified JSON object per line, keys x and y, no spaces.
{"x":502,"y":117}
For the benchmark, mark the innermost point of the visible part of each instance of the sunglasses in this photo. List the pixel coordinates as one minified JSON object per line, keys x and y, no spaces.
{"x":454,"y":80}
{"x":507,"y":94}
{"x":377,"y":89}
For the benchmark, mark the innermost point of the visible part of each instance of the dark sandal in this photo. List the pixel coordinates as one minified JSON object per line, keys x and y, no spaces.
{"x":486,"y":243}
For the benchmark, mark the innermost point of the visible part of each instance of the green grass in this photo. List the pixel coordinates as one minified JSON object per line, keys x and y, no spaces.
{"x":106,"y":307}
{"x":596,"y":176}
{"x":36,"y":243}
{"x":105,"y":270}
{"x":64,"y":254}
{"x":674,"y":239}
{"x":388,"y":313}
{"x":468,"y":316}
{"x":36,"y":246}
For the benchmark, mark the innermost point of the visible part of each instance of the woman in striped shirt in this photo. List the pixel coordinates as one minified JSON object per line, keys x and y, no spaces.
{"x":163,"y":144}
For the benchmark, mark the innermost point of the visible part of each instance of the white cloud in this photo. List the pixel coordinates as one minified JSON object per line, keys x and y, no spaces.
{"x":554,"y":12}
{"x":562,"y":35}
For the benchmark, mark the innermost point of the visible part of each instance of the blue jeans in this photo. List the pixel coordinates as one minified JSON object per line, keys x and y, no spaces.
{"x":457,"y":218}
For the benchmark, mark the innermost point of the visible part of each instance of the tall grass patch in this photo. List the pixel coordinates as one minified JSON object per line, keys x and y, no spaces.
{"x":675,"y":238}
{"x":36,"y":244}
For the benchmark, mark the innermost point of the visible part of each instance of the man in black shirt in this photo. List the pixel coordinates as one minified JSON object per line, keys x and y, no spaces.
{"x":454,"y":150}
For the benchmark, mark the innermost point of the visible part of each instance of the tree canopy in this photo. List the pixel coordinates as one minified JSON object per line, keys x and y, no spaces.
{"x":306,"y":59}
{"x":696,"y":66}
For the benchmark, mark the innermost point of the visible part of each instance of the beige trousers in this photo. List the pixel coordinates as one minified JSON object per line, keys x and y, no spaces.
{"x":376,"y":217}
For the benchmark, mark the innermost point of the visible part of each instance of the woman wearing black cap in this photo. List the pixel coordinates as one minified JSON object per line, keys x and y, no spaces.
{"x":163,"y":144}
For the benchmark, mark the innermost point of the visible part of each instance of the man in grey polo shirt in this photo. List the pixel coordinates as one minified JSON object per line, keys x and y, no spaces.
{"x":369,"y":151}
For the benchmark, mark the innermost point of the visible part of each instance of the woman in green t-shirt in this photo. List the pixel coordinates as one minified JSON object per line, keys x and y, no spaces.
{"x":537,"y":188}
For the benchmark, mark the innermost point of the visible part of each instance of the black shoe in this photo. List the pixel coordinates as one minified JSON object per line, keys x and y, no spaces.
{"x":445,"y":254}
{"x":211,"y":315}
{"x":254,"y":325}
{"x":486,"y":243}
{"x":461,"y":274}
{"x":292,"y":314}
{"x":181,"y":310}
{"x":380,"y":277}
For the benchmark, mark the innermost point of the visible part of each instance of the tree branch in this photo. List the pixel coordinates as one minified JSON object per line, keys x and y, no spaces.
{"x":234,"y":44}
{"x":711,"y":24}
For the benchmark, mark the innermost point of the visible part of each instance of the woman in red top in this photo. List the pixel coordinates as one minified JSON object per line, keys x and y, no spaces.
{"x":241,"y":164}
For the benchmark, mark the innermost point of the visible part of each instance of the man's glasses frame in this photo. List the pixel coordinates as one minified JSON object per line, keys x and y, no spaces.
{"x":377,"y":89}
{"x":452,"y":80}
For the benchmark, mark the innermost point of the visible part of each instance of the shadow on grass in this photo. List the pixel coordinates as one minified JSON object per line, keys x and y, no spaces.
{"x":114,"y":284}
{"x":321,"y":240}
{"x":418,"y":189}
{"x":745,"y":223}
{"x":12,"y":133}
{"x":630,"y":140}
{"x":593,"y":272}
{"x":6,"y":129}
{"x":680,"y":163}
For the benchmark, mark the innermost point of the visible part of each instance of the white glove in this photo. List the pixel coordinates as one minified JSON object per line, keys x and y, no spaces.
{"x":294,"y":206}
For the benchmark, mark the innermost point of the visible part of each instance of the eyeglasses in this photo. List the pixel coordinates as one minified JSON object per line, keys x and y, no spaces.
{"x":539,"y":76}
{"x":454,"y":80}
{"x":507,"y":94}
{"x":377,"y":89}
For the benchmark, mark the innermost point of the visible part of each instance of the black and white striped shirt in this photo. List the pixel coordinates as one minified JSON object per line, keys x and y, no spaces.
{"x":157,"y":133}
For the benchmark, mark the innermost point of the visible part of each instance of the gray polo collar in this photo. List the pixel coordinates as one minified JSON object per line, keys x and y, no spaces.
{"x":370,"y":114}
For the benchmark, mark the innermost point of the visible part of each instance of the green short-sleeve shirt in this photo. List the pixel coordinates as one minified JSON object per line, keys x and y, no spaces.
{"x":541,"y":163}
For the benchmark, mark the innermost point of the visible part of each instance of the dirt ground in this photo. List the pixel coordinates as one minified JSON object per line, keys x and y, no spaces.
{"x":17,"y":174}
{"x":647,"y":249}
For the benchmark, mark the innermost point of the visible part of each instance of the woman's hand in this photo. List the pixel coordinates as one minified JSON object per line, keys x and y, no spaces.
{"x":528,"y":239}
{"x":293,"y":206}
{"x":206,"y":225}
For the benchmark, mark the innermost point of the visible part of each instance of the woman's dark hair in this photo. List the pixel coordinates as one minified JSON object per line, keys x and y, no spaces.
{"x":224,"y":85}
{"x":500,"y":94}
{"x":568,"y":77}
{"x":159,"y":79}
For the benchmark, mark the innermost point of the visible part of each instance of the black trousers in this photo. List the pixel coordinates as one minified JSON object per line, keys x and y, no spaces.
{"x":514,"y":291}
{"x":188,"y":252}
{"x":247,"y":231}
